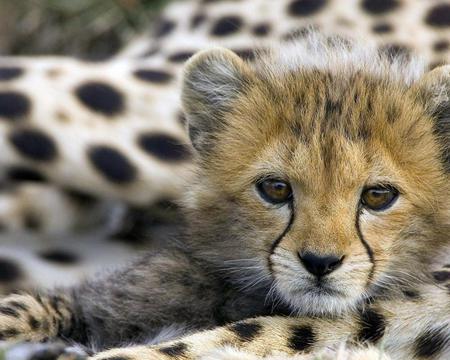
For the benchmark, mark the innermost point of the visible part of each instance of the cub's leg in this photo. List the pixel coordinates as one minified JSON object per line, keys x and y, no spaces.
{"x":37,"y":317}
{"x":262,"y":336}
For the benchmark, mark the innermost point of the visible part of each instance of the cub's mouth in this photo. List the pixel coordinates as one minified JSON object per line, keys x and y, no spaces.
{"x":329,"y":293}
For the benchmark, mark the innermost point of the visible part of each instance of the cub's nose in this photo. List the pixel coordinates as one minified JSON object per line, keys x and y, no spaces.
{"x":320,"y":265}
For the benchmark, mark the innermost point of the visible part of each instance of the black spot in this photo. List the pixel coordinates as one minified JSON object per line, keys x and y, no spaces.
{"x":197,"y":20}
{"x":19,"y":174}
{"x":154,"y":76}
{"x":164,"y":27}
{"x":100,"y":97}
{"x":441,"y":45}
{"x":298,"y":33}
{"x":164,"y":147}
{"x":177,"y":349}
{"x":431,"y":342}
{"x":9,"y":311}
{"x":116,"y":358}
{"x":441,"y":276}
{"x":112,"y":164}
{"x":80,"y":197}
{"x":395,"y":50}
{"x":227,"y":25}
{"x":181,"y":56}
{"x":302,"y":338}
{"x":372,"y":326}
{"x":262,"y":29}
{"x":377,"y":7}
{"x":10,"y":72}
{"x":305,"y":7}
{"x":8,"y":333}
{"x":439,"y":16}
{"x":33,"y":144}
{"x":246,"y":331}
{"x":13,"y":105}
{"x":32,"y":221}
{"x":382,"y":28}
{"x":59,"y":256}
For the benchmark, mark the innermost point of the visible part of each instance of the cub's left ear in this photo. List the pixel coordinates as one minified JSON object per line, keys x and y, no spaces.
{"x":213,"y":79}
{"x":434,"y":92}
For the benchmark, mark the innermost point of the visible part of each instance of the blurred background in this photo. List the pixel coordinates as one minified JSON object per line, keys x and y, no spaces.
{"x":93,"y":29}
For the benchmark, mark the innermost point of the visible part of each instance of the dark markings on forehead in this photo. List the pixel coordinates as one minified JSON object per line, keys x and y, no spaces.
{"x":305,"y":7}
{"x":246,"y":331}
{"x":178,"y":349}
{"x":302,"y":338}
{"x":432,"y":342}
{"x":371,"y":326}
{"x":377,"y":7}
{"x":10,"y":72}
{"x":439,"y":16}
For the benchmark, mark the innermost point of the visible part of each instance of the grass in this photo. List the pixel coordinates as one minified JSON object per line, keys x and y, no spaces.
{"x":86,"y":28}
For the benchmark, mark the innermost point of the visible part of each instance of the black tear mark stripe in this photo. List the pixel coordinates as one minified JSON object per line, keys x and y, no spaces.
{"x":364,"y":242}
{"x":246,"y":331}
{"x":372,"y":326}
{"x":282,"y":235}
{"x":432,"y":342}
{"x":177,"y":349}
{"x":302,"y":338}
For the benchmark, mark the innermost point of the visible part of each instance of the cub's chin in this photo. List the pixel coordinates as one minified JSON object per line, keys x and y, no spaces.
{"x":320,"y":299}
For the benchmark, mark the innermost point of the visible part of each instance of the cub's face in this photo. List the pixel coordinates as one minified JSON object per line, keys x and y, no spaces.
{"x":324,"y":186}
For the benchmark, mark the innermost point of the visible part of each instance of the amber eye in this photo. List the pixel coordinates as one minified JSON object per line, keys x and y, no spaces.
{"x":274,"y":191}
{"x":379,"y":198}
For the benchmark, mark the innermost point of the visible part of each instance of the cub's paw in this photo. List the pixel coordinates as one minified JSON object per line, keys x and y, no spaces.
{"x":44,"y":351}
{"x":18,"y":320}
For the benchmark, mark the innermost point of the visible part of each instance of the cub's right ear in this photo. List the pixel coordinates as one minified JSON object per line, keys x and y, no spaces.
{"x":212,"y":80}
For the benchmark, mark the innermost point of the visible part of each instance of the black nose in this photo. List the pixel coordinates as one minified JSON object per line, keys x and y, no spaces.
{"x":320,"y":265}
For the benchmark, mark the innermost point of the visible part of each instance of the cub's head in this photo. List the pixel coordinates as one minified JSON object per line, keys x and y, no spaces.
{"x":323,"y":170}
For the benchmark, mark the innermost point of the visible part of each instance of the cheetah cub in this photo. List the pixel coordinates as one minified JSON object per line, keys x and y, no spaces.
{"x":319,"y":215}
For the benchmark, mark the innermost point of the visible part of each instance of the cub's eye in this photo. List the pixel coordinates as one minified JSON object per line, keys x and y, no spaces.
{"x":274,"y":191}
{"x":379,"y":198}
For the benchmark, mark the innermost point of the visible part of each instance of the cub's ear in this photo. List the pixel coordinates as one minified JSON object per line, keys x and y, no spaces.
{"x":434,"y":91}
{"x":212,"y":80}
